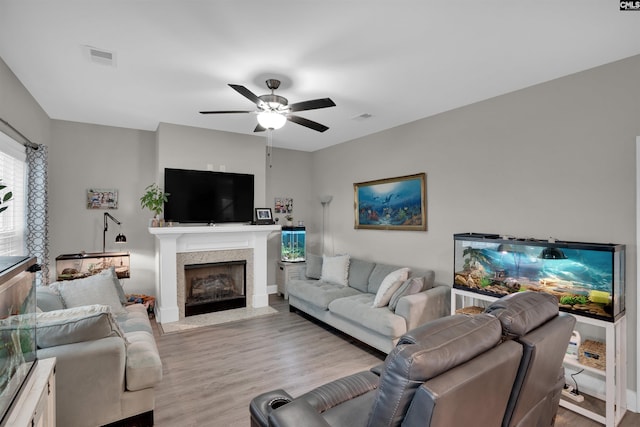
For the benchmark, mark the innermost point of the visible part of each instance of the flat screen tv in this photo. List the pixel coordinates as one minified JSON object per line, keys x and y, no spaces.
{"x":208,"y":197}
{"x":17,"y":328}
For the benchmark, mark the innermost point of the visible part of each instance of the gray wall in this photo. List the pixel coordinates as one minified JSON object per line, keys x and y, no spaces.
{"x":187,"y":147}
{"x":18,"y":107}
{"x":289,"y":176}
{"x":554,"y":160}
{"x":83,"y":156}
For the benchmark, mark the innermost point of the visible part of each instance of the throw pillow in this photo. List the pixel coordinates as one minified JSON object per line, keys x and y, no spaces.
{"x":98,"y":289}
{"x":335,"y":269}
{"x":411,"y":286}
{"x":314,"y":266}
{"x":71,"y":325}
{"x":48,"y":299}
{"x":389,"y":285}
{"x":111,"y":272}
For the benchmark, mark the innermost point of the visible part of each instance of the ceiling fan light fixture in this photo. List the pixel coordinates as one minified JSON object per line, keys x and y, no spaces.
{"x":271,"y":120}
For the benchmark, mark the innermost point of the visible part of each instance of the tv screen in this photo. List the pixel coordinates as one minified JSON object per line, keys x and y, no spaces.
{"x":208,"y":197}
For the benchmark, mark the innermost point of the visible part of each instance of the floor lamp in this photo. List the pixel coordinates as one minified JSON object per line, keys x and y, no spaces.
{"x":325,"y":200}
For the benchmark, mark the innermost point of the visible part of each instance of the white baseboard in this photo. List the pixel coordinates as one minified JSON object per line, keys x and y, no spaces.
{"x":272,"y":289}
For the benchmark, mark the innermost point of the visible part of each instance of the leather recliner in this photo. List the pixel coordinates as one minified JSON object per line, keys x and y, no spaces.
{"x":498,"y":368}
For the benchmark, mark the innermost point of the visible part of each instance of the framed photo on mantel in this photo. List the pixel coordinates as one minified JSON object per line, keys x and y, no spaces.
{"x":264,"y":216}
{"x":392,"y":204}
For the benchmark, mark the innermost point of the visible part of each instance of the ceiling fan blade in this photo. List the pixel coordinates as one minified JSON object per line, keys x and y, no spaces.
{"x":259,"y":128}
{"x":247,"y":94}
{"x":313,"y":104}
{"x":224,"y":112}
{"x":307,"y":123}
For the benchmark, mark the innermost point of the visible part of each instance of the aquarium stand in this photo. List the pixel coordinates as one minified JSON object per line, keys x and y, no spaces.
{"x":36,"y":404}
{"x":286,"y":272}
{"x":614,"y":374}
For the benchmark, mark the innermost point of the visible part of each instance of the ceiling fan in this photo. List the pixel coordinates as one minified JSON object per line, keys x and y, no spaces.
{"x":274,"y":110}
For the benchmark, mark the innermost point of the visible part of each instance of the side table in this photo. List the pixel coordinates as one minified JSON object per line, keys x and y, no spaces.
{"x":286,"y":272}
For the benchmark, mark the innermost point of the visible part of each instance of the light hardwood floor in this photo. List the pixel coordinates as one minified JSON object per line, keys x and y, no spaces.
{"x":212,"y":373}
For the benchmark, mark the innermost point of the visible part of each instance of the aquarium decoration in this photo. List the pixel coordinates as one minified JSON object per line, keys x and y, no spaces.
{"x":392,"y":203}
{"x":293,"y":244}
{"x":587,"y":278}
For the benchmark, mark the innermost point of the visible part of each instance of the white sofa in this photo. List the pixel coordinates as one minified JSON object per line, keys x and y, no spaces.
{"x":107,"y":359}
{"x":347,"y":303}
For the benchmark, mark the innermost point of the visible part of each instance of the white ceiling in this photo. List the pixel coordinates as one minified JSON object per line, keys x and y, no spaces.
{"x":397,"y":60}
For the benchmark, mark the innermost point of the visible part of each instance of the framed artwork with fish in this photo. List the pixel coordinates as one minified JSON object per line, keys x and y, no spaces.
{"x":392,"y":204}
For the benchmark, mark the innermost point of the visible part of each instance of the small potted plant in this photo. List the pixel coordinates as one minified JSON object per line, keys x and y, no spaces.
{"x":154,"y":199}
{"x":289,"y":219}
{"x":7,"y":196}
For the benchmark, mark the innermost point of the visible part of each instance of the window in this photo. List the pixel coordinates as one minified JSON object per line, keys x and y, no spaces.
{"x":13,"y":174}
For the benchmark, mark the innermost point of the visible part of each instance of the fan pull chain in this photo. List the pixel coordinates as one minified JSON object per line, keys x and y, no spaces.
{"x":269,"y":145}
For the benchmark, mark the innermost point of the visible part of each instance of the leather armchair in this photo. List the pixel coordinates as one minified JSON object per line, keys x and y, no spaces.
{"x":498,"y":368}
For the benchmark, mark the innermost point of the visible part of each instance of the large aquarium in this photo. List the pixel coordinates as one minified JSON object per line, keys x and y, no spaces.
{"x":293,"y":244}
{"x":17,"y":327}
{"x":587,"y":278}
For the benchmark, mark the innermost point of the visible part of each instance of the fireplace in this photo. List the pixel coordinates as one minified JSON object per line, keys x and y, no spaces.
{"x":178,"y":246}
{"x":214,"y":286}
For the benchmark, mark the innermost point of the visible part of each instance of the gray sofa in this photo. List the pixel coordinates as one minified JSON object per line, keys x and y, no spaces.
{"x":107,"y":359}
{"x":350,"y":308}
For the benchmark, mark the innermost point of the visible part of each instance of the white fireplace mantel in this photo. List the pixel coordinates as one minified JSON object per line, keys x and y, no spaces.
{"x":173,"y":240}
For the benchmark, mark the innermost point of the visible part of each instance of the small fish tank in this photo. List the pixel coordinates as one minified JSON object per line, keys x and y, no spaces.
{"x":588,"y":279}
{"x":83,"y":264}
{"x":293,"y":244}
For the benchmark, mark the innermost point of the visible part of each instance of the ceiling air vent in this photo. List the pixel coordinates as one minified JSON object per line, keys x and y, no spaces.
{"x":100,"y":56}
{"x":361,"y":117}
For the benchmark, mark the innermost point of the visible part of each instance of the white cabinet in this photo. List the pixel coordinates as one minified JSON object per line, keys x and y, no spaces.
{"x":286,"y":272}
{"x":36,"y":404}
{"x":614,"y":375}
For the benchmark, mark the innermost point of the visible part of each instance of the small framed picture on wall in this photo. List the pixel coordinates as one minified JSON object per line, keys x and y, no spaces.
{"x":101,"y":198}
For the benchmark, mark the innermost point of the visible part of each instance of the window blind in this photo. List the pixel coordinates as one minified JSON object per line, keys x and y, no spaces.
{"x":13,"y":174}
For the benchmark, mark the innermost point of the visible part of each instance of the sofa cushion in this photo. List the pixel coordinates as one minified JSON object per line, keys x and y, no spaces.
{"x":335,"y":269}
{"x":98,"y":289}
{"x":48,"y":299}
{"x":135,"y":318}
{"x":389,"y":285}
{"x":358,"y":309}
{"x":143,"y":364}
{"x":359,"y":271}
{"x":78,"y":324}
{"x":319,"y":293}
{"x":380,"y":271}
{"x":411,"y":286}
{"x":314,"y":266}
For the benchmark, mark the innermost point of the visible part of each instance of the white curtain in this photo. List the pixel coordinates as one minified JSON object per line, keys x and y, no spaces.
{"x":37,"y":210}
